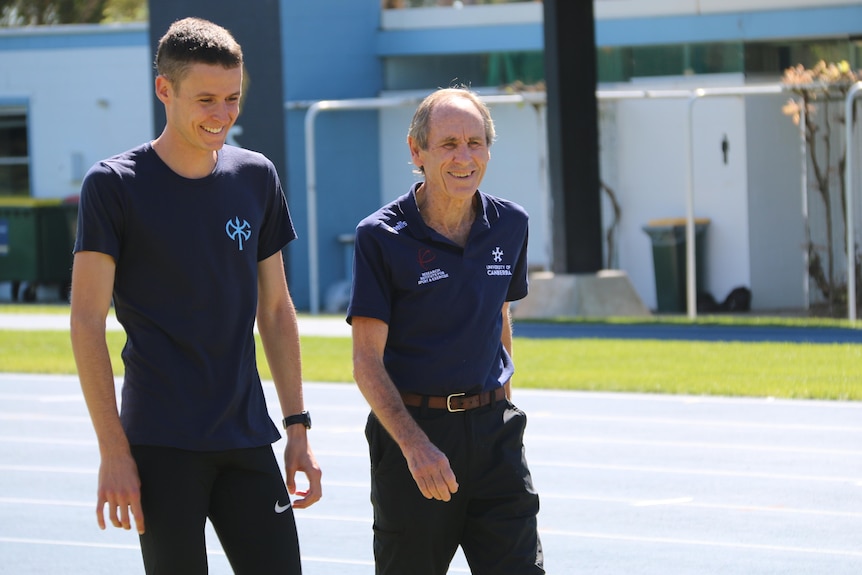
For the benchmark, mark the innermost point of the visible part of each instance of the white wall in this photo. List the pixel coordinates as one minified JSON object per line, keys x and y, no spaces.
{"x":776,"y":225}
{"x":753,"y":237}
{"x":84,"y":104}
{"x":648,"y":171}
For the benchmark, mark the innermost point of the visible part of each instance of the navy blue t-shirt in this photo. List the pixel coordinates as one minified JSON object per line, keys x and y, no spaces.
{"x":185,"y":290}
{"x":442,"y":303}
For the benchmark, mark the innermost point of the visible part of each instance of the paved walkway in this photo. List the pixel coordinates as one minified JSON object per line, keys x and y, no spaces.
{"x":336,"y":326}
{"x":316,"y":326}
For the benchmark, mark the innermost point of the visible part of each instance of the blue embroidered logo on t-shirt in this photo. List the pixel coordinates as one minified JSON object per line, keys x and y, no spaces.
{"x":238,"y":231}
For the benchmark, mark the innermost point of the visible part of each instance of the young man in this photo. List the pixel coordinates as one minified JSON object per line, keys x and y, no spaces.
{"x":185,"y":234}
{"x":434,"y":273}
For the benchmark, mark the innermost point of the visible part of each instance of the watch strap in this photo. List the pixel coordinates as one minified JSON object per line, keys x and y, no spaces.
{"x":304,"y":418}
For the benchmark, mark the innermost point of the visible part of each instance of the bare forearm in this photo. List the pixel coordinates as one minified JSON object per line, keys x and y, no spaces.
{"x":386,"y":403}
{"x":95,"y":373}
{"x":280,"y":337}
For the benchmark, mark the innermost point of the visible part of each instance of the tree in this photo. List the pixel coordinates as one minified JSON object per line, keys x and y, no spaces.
{"x":126,"y":11}
{"x":48,"y":12}
{"x":821,"y":92}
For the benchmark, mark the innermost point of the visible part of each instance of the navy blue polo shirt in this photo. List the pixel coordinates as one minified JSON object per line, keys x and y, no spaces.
{"x":442,"y":303}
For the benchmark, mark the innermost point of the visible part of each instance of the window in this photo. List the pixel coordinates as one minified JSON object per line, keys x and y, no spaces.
{"x":477,"y":70}
{"x":620,"y":64}
{"x":14,"y":157}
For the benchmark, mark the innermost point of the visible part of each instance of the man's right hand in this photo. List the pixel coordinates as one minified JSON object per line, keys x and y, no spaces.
{"x":120,"y":490}
{"x":431,"y":471}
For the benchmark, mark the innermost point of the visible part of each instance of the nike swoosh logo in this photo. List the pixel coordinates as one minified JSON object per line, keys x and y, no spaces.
{"x":281,"y":508}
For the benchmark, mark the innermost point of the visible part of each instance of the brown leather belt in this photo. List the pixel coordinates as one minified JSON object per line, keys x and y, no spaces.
{"x":454,"y":402}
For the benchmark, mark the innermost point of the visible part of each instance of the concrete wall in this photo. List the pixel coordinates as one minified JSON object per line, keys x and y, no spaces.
{"x":778,"y":271}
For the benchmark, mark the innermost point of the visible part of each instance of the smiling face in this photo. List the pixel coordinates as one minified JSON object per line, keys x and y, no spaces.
{"x":457,"y":151}
{"x":200,"y":107}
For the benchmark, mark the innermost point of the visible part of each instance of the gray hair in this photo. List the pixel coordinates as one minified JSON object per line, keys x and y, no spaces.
{"x":419,"y":126}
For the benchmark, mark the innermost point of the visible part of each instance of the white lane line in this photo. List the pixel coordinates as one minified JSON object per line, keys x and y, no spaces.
{"x":47,"y":440}
{"x":687,"y":501}
{"x":46,"y":502}
{"x":592,"y":440}
{"x":301,"y":515}
{"x":210,"y":551}
{"x":702,"y":543}
{"x":689,"y":471}
{"x":658,"y":502}
{"x":6,"y":416}
{"x":690,"y":502}
{"x":597,"y":467}
{"x":42,"y":398}
{"x":702,"y":423}
{"x":67,"y":543}
{"x":49,"y":469}
{"x":363,"y":562}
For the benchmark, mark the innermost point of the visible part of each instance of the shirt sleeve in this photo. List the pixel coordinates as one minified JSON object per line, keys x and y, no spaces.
{"x":100,"y":212}
{"x":371,"y":293}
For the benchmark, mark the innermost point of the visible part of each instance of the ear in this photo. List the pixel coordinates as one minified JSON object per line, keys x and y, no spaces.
{"x":163,"y":89}
{"x":414,"y":152}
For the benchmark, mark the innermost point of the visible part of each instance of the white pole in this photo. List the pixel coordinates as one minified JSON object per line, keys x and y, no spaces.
{"x":690,"y":259}
{"x":803,"y":142}
{"x":848,"y":182}
{"x":311,"y":205}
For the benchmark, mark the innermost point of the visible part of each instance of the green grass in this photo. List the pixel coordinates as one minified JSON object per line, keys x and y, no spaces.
{"x":786,"y":370}
{"x":35,"y":308}
{"x":789,"y":370}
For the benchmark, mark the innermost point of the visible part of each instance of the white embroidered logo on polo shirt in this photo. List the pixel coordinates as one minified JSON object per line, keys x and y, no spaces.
{"x":498,"y":269}
{"x":424,"y":257}
{"x":432,"y":276}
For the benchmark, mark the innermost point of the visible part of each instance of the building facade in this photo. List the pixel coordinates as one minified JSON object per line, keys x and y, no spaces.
{"x":71,"y":95}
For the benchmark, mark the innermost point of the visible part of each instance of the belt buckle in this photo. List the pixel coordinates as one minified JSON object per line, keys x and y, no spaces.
{"x":449,"y":407}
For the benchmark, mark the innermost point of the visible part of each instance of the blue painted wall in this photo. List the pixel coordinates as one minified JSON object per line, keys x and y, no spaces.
{"x":837,"y":21}
{"x":329,"y":53}
{"x":840,"y":22}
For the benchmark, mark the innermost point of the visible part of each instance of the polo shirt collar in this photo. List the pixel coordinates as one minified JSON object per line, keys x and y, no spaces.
{"x":410,"y":209}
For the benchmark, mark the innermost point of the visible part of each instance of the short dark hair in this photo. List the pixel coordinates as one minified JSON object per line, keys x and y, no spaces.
{"x":195,"y":41}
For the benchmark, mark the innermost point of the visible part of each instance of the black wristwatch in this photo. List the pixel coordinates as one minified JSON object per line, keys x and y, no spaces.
{"x":303,"y":418}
